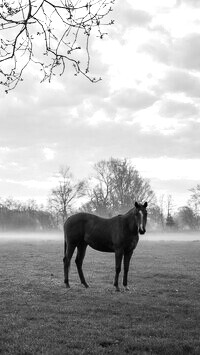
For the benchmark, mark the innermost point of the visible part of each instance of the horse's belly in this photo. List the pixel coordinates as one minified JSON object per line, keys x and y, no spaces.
{"x":99,"y":243}
{"x":101,"y":247}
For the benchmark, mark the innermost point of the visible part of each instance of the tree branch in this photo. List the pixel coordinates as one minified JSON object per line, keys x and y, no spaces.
{"x":59,"y":26}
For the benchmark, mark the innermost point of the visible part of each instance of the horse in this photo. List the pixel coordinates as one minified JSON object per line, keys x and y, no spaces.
{"x":119,"y":235}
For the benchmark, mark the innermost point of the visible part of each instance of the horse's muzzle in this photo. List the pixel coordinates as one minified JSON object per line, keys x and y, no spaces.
{"x":142,"y":231}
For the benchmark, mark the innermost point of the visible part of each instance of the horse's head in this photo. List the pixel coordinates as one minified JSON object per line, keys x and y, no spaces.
{"x":141,"y":216}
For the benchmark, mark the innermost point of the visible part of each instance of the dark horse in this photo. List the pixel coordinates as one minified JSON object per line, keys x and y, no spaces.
{"x":118,"y":235}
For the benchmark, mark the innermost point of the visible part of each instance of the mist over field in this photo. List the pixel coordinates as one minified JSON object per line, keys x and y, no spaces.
{"x":31,"y":236}
{"x":59,"y":236}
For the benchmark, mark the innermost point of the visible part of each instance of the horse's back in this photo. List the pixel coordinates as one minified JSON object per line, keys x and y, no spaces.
{"x":94,"y":230}
{"x":77,"y":225}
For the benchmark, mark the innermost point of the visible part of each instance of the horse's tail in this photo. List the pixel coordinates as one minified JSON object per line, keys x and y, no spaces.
{"x":65,"y":247}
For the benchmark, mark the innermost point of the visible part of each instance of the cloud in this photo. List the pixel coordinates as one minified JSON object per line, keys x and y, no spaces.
{"x":124,"y":139}
{"x":41,"y":117}
{"x":178,"y":109}
{"x":133,"y":99}
{"x":179,"y":81}
{"x":159,"y":50}
{"x":194,"y":3}
{"x":187,"y":52}
{"x":170,"y":168}
{"x":67,"y":130}
{"x":127,"y":17}
{"x":49,"y":153}
{"x":177,"y":52}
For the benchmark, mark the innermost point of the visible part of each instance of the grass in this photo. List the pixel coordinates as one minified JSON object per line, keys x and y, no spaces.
{"x":160,"y":314}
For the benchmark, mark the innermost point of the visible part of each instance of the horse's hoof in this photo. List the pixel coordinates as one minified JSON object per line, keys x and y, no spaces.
{"x":67,"y":286}
{"x":126,"y":288}
{"x":117,"y":289}
{"x":86,"y":285}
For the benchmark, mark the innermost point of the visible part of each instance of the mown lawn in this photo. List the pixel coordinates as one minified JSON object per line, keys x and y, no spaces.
{"x":160,"y":314}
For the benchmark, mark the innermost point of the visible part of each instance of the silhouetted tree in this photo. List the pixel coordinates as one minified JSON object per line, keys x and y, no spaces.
{"x":155,"y":217}
{"x":194,"y":203}
{"x":169,"y":205}
{"x":161,"y":209}
{"x":65,"y":194}
{"x":170,"y":223}
{"x":117,"y":186}
{"x":186,"y":218}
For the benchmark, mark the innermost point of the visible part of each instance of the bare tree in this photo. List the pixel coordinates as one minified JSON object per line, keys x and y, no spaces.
{"x":128,"y":185}
{"x":49,"y":34}
{"x":155,"y":218}
{"x":161,"y":208}
{"x":64,"y":195}
{"x":99,"y":195}
{"x":118,"y":186}
{"x":194,"y":202}
{"x":186,"y":218}
{"x":170,"y":220}
{"x":169,"y":205}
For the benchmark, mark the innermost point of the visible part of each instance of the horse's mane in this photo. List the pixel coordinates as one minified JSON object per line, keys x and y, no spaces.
{"x":132,"y":210}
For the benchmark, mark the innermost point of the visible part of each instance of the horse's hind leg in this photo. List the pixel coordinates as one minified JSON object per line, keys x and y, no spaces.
{"x":66,"y":260}
{"x":81,"y":249}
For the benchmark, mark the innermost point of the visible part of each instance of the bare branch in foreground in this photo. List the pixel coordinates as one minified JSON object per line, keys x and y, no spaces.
{"x":49,"y":34}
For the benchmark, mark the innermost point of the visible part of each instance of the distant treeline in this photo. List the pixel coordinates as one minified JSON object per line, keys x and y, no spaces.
{"x":113,"y":189}
{"x":30,"y":216}
{"x":19,"y":216}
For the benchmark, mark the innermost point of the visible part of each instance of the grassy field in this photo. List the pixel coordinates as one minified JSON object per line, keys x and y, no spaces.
{"x":160,"y":314}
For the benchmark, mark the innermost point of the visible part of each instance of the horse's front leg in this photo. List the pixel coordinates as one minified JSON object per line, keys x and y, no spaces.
{"x":118,"y":261}
{"x":127,"y":258}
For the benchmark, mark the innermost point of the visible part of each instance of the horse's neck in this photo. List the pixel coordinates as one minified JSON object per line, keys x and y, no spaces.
{"x":131,"y":220}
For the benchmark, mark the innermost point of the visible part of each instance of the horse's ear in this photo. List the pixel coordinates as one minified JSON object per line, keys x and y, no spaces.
{"x":136,"y":204}
{"x":145,"y":204}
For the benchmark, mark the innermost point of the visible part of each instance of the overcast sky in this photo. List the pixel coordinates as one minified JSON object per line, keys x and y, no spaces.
{"x":146,"y":108}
